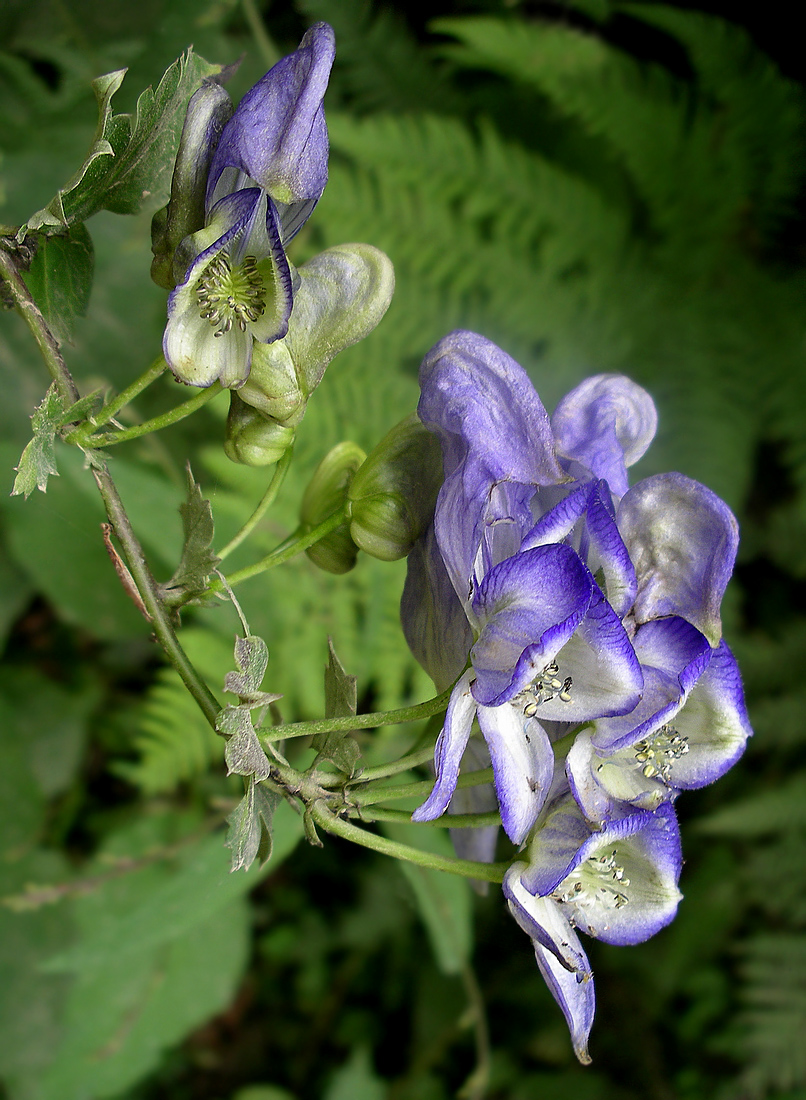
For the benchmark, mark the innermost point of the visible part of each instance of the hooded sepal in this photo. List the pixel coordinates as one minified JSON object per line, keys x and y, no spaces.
{"x":682,"y":540}
{"x":605,"y":425}
{"x":617,"y":882}
{"x":277,"y":137}
{"x":560,"y":957}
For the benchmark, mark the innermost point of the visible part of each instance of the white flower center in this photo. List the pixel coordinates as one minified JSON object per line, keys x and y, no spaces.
{"x":545,"y":686}
{"x":230,"y":295}
{"x":597,"y":883}
{"x":657,"y":754}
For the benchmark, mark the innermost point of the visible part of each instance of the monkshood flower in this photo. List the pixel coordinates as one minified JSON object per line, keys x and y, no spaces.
{"x":617,"y":883}
{"x":267,"y":173}
{"x":548,"y":643}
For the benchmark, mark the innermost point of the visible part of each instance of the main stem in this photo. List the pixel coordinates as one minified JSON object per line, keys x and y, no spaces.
{"x":135,"y":558}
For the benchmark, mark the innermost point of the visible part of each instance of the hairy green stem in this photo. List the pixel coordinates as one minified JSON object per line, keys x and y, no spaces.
{"x":135,"y":559}
{"x":327,"y":820}
{"x":447,"y":821}
{"x":111,"y":408}
{"x":350,"y":722}
{"x":373,"y":794}
{"x":266,"y":502}
{"x":156,"y":424}
{"x":147,"y":587}
{"x":32,"y":315}
{"x":289,"y":548}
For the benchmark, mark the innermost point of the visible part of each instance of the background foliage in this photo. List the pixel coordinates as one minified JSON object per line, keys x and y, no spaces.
{"x":596,"y":186}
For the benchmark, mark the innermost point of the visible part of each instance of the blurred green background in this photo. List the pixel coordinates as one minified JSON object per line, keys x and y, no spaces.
{"x":595,"y":186}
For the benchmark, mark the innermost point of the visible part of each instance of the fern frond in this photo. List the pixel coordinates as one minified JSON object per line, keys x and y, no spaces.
{"x":174,"y":741}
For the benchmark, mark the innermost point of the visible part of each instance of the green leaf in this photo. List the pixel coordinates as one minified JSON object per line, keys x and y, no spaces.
{"x":444,"y":901}
{"x":243,"y":753}
{"x":198,"y":560}
{"x":340,"y":702}
{"x":356,"y":1079}
{"x":38,"y":460}
{"x":60,"y":279}
{"x":252,"y":659}
{"x":130,"y":162}
{"x":250,"y":835}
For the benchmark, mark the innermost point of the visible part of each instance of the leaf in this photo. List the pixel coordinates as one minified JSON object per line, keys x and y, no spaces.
{"x":340,"y":701}
{"x":780,"y":810}
{"x":356,"y":1079}
{"x":60,"y":279}
{"x":243,"y":753}
{"x":130,"y":162}
{"x":252,"y":659}
{"x":198,"y":560}
{"x":250,"y":823}
{"x":444,"y":901}
{"x":38,"y":460}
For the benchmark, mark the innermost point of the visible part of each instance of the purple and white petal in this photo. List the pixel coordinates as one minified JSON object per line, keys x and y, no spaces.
{"x":607,"y":552}
{"x":529,"y":605}
{"x":621,"y":884}
{"x":713,"y":724}
{"x":600,"y":663}
{"x":682,"y":540}
{"x":450,"y":748}
{"x":605,"y":424}
{"x":523,"y":766}
{"x":560,"y":957}
{"x":277,"y":137}
{"x":481,"y":402}
{"x":673,"y":655}
{"x":477,"y":843}
{"x":606,"y":785}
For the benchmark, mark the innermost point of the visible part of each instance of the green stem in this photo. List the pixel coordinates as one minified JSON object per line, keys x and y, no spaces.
{"x":404,"y":764}
{"x":327,"y":820}
{"x":268,"y":51}
{"x":147,"y":587}
{"x":414,"y":790}
{"x":357,"y":721}
{"x":266,"y":502}
{"x":31,"y":314}
{"x":157,"y":423}
{"x":289,"y":548}
{"x":125,"y":397}
{"x":447,"y":821}
{"x":133,"y":552}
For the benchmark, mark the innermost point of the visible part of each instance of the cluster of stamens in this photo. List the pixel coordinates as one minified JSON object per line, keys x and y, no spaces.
{"x":579,"y":888}
{"x":228,"y":296}
{"x":656,"y":754}
{"x":547,"y":685}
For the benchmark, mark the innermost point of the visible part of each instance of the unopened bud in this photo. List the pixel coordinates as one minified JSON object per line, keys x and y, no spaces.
{"x":327,"y":492}
{"x":253,"y":439}
{"x":394,"y":492}
{"x":208,"y":111}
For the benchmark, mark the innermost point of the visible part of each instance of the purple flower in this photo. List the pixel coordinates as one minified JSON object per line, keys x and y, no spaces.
{"x":548,"y":646}
{"x":266,"y":175}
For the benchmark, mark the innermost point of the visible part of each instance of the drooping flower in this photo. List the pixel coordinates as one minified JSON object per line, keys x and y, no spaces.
{"x":267,"y":173}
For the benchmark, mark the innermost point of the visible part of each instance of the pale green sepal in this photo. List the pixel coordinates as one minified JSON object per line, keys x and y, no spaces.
{"x":253,"y":439}
{"x":394,"y":493}
{"x":326,"y":492}
{"x":272,"y":387}
{"x":343,"y":294}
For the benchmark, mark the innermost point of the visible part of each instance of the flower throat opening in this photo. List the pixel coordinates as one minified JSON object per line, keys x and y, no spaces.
{"x":228,"y":295}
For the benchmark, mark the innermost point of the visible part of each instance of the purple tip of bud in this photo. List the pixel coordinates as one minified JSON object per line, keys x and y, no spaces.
{"x":278,"y":136}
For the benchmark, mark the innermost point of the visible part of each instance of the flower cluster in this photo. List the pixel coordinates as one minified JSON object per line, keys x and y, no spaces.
{"x":579,"y":619}
{"x":245,"y":183}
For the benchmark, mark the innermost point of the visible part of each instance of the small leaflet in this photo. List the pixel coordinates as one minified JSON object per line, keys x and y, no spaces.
{"x":340,"y":701}
{"x":250,"y":835}
{"x":198,"y":560}
{"x":38,"y":460}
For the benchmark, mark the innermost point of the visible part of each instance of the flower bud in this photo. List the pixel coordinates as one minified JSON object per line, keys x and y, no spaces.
{"x":394,"y":493}
{"x":326,"y":492}
{"x":253,"y":439}
{"x":272,"y":387}
{"x":208,"y":111}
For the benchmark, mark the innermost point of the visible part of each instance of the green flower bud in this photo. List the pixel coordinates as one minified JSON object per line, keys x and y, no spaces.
{"x":394,"y":492}
{"x":253,"y":439}
{"x":208,"y":111}
{"x":326,"y":492}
